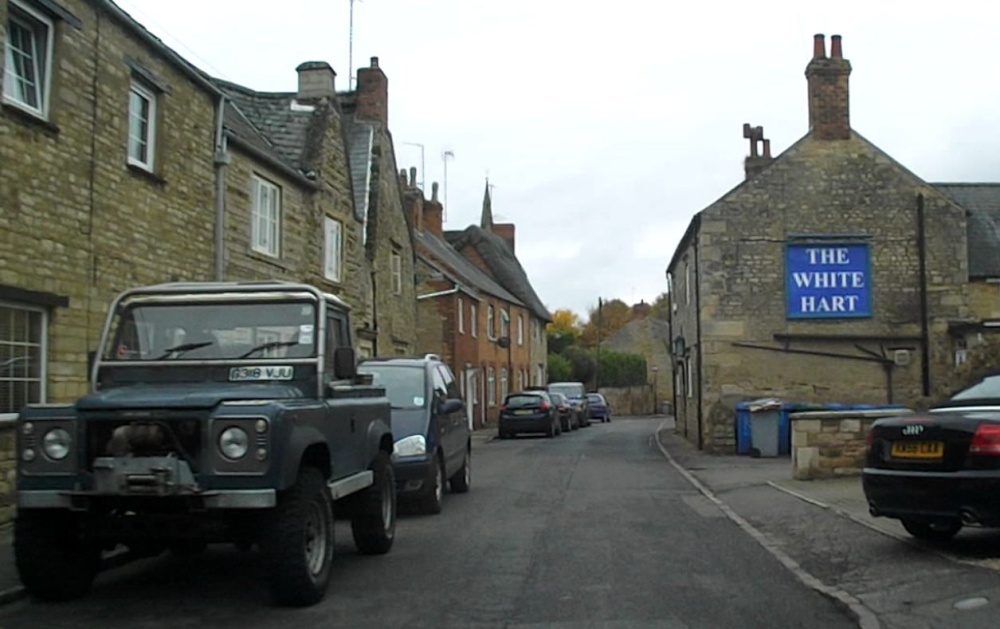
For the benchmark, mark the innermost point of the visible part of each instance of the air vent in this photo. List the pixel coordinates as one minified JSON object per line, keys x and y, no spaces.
{"x":901,"y":357}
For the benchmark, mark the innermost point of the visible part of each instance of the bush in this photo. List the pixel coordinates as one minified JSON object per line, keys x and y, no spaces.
{"x":618,"y":369}
{"x":582,"y":362}
{"x":560,"y":370}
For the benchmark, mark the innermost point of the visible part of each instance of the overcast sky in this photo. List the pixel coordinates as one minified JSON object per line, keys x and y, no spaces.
{"x":605,"y":126}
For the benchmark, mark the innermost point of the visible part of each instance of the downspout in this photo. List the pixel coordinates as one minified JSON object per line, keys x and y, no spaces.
{"x":925,"y":367}
{"x":450,"y":291}
{"x":670,"y":347}
{"x":697,"y":319}
{"x":374,"y":311}
{"x":222,"y":159}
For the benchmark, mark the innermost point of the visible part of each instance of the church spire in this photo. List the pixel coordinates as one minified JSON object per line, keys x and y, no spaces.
{"x":487,"y":220}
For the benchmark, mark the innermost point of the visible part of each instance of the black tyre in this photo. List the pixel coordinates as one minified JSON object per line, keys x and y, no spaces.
{"x":462,"y":479}
{"x":553,"y":426}
{"x":298,"y":544}
{"x":432,"y":499}
{"x":374,"y":523}
{"x":932,"y":531}
{"x":53,"y":562}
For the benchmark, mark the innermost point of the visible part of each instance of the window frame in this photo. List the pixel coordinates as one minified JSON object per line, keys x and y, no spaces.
{"x":43,"y":351}
{"x":333,"y":272}
{"x":491,"y":387}
{"x":504,"y":385}
{"x":150,"y":95}
{"x":461,"y":316}
{"x":42,"y":66}
{"x":473,"y":321}
{"x":491,"y":317}
{"x":504,"y":322}
{"x":520,"y":330}
{"x":396,"y":272}
{"x":259,"y":182}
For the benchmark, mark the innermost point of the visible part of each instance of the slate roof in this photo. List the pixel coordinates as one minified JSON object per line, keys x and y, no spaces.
{"x":504,"y":264}
{"x":459,"y":282}
{"x":444,"y":253}
{"x":360,"y":142}
{"x":982,"y":202}
{"x":281,"y":127}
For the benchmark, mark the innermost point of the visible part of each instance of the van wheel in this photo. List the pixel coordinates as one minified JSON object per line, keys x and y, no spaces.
{"x":463,"y":478}
{"x":433,"y":498}
{"x":932,"y":531}
{"x":53,"y":562}
{"x":298,"y":545}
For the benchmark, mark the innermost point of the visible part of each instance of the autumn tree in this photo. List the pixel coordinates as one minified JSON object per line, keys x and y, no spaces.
{"x":661,"y":306}
{"x":605,"y":319}
{"x":564,"y":330}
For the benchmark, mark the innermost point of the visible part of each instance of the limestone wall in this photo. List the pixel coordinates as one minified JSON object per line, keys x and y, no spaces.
{"x":826,"y":444}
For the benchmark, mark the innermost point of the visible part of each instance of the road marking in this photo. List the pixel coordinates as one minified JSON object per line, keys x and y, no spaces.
{"x":865,"y":617}
{"x":702,"y":506}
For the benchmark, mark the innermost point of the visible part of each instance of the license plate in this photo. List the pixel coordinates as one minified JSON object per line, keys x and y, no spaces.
{"x":524,"y":412}
{"x":917,"y":450}
{"x":261,"y":372}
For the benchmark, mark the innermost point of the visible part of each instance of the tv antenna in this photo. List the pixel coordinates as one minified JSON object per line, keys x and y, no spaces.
{"x":444,"y":158}
{"x":350,"y":48}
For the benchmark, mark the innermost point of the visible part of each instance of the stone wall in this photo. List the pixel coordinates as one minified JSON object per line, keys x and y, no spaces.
{"x":826,"y":444}
{"x":629,"y":400}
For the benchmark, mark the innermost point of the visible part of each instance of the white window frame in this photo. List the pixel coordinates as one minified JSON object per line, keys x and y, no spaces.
{"x":520,"y":329}
{"x":43,"y":35}
{"x":490,"y":322}
{"x":267,"y":244}
{"x":396,"y":269}
{"x":461,"y":316}
{"x":333,"y":249}
{"x":473,"y":320}
{"x":503,"y":383}
{"x":138,"y":89}
{"x":491,"y":387}
{"x":43,"y":347}
{"x":505,"y":323}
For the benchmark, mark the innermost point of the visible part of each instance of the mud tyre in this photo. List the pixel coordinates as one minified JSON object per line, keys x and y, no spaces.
{"x":373,"y":524}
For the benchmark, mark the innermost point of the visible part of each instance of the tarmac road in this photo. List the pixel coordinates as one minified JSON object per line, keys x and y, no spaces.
{"x":591,"y":529}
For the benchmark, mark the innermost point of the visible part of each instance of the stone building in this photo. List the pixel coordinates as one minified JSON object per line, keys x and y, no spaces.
{"x":831,"y":273}
{"x":649,"y":337}
{"x":491,"y":247}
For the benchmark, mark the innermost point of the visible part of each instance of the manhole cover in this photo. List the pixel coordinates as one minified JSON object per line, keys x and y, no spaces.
{"x":971,"y":603}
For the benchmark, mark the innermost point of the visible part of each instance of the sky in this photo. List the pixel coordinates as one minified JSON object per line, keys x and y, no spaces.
{"x":604,"y":127}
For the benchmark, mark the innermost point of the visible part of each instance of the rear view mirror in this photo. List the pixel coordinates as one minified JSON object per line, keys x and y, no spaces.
{"x":344,"y":363}
{"x":452,"y":405}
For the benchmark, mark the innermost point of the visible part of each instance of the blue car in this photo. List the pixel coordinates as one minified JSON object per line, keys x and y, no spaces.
{"x":599,"y":407}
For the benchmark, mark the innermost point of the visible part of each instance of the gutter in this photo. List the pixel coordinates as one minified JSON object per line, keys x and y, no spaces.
{"x":442,"y":293}
{"x":222,"y":159}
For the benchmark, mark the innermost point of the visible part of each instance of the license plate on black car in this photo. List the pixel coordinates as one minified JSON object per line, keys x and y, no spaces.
{"x":917,"y":450}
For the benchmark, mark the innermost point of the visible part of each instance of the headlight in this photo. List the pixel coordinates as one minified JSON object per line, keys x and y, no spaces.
{"x":56,"y":443}
{"x":410,"y":446}
{"x":234,"y":443}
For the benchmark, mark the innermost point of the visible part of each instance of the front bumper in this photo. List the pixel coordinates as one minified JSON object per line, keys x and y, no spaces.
{"x":412,"y":475}
{"x":195,"y":501}
{"x":973,"y":496}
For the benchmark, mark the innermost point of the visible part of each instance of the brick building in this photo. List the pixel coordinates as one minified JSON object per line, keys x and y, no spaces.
{"x":464,"y":313}
{"x":831,"y":273}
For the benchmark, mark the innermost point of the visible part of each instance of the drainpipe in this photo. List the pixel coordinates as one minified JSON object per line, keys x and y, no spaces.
{"x":222,"y":159}
{"x":925,"y":367}
{"x":450,"y":291}
{"x":697,"y":320}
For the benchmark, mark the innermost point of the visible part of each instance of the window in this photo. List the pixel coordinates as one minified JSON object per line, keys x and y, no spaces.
{"x":490,"y":322}
{"x":27,"y":60}
{"x":397,"y":273}
{"x":461,"y":316}
{"x":22,"y":357}
{"x":504,"y":323}
{"x":473,"y":320}
{"x":473,"y":392}
{"x":266,"y":218}
{"x":332,"y":253}
{"x":520,"y":379}
{"x":503,"y":383}
{"x":141,"y":126}
{"x":491,"y":387}
{"x":520,"y":329}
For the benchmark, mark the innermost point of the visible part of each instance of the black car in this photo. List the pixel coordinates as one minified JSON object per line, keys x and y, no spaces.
{"x":433,"y":439}
{"x":939,"y":470}
{"x":528,"y":411}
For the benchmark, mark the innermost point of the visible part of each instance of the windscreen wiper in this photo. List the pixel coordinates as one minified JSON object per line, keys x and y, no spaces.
{"x":184,"y":348}
{"x":268,"y":345}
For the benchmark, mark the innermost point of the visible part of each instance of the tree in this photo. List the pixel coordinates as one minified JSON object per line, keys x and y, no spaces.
{"x":661,"y":306}
{"x":582,"y":362}
{"x":559,"y":369}
{"x":563,"y":330}
{"x":605,"y":319}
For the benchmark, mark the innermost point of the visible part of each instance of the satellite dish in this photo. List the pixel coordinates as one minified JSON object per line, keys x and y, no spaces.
{"x":504,"y":342}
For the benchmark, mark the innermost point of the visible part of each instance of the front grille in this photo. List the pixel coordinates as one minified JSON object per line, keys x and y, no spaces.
{"x":156,"y":435}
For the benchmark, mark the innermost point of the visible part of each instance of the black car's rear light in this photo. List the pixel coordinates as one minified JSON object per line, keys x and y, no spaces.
{"x":986,"y":440}
{"x":544,"y":406}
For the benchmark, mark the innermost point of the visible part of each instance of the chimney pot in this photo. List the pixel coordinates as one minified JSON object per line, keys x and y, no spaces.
{"x":413,"y":176}
{"x":835,"y":48}
{"x":819,"y":46}
{"x":767,"y":149}
{"x":374,"y":62}
{"x":434,"y":192}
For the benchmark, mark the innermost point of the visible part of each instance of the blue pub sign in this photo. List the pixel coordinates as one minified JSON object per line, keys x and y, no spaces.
{"x":827,"y":281}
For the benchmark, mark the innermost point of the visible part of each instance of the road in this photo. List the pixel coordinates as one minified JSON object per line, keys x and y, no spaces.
{"x":590,"y":529}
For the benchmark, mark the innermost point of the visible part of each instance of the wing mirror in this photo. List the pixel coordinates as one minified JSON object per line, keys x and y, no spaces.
{"x":345,"y":365}
{"x":452,"y":405}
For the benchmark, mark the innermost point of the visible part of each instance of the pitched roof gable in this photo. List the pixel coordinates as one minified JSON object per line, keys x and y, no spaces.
{"x":982,"y":203}
{"x":503,"y":263}
{"x":441,"y":251}
{"x":360,"y":144}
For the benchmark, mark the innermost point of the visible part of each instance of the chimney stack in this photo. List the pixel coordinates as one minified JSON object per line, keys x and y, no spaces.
{"x":755,"y":163}
{"x":433,"y":213}
{"x":373,"y":94}
{"x":829,"y":94}
{"x":316,"y":80}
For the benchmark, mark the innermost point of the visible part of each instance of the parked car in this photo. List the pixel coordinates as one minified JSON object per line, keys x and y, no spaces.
{"x":599,"y":407}
{"x":940,"y":470}
{"x":433,"y":440}
{"x":577,"y":395}
{"x":568,"y":418}
{"x":528,"y":411}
